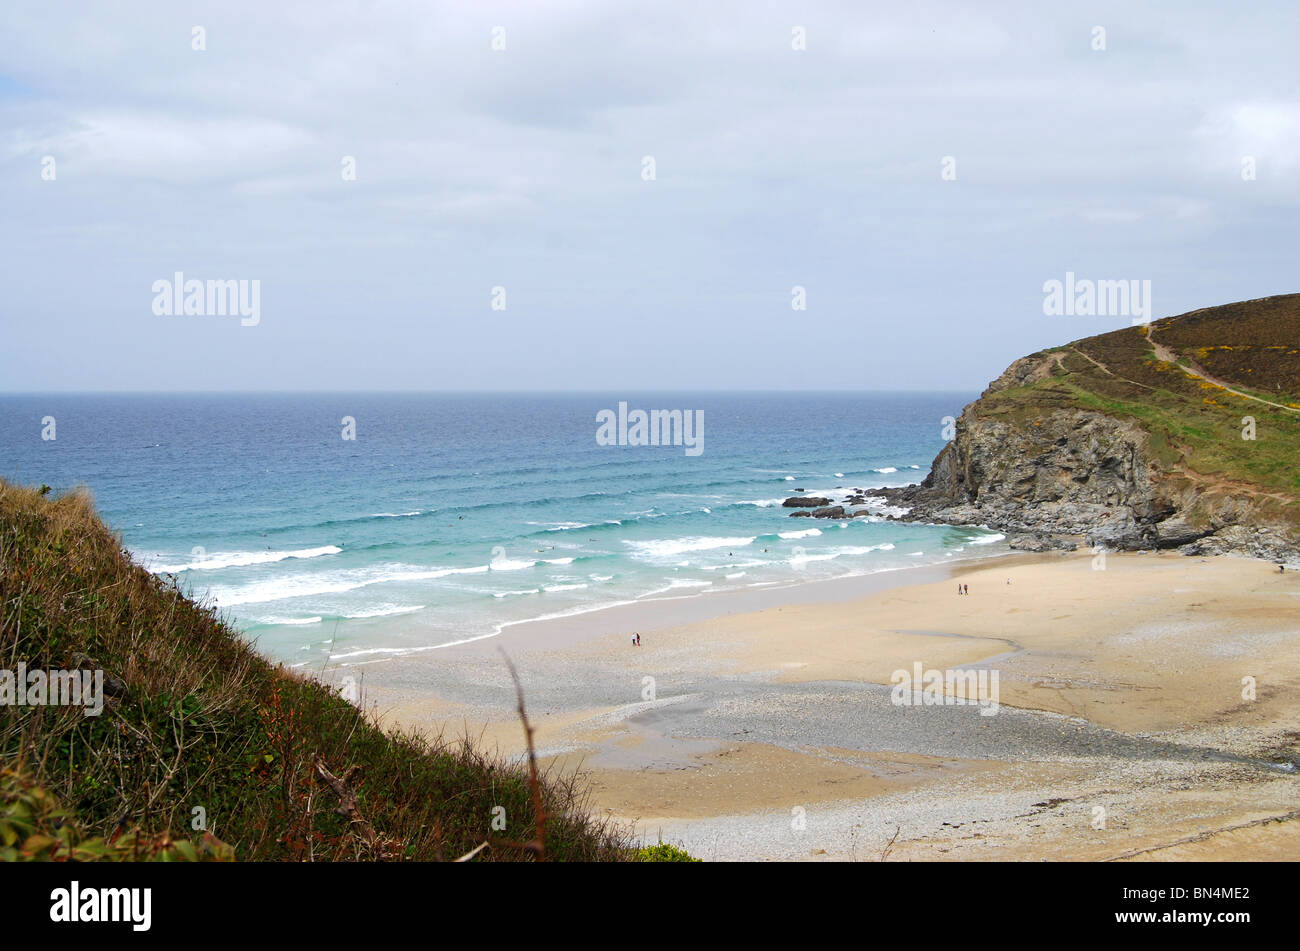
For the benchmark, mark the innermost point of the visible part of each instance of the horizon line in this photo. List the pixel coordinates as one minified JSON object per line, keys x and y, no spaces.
{"x":584,"y":392}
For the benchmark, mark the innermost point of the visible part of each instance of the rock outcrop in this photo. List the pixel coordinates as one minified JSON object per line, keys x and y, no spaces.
{"x":805,"y":501}
{"x":1031,"y":458}
{"x":829,"y":511}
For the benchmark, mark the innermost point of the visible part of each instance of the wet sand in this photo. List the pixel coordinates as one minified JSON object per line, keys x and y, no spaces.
{"x":764,"y":724}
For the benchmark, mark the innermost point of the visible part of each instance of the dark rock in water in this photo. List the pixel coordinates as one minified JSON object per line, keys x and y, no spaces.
{"x":805,"y":501}
{"x":801,"y":514}
{"x":829,"y":511}
{"x":800,"y":490}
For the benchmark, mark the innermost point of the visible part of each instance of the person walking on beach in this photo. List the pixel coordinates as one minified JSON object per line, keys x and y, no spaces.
{"x":959,"y":589}
{"x":965,"y":589}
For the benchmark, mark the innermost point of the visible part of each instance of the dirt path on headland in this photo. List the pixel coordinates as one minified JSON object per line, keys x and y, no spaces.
{"x":1192,"y":369}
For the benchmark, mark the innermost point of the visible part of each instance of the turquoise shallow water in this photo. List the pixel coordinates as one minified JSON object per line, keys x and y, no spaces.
{"x":450,"y":516}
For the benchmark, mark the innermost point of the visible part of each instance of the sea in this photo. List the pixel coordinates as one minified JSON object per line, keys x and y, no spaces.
{"x":346,"y":526}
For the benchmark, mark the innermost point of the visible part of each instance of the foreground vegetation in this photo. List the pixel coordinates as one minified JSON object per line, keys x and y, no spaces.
{"x":207,"y":751}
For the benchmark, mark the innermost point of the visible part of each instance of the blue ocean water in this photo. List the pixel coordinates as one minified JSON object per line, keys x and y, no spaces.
{"x":450,"y":516}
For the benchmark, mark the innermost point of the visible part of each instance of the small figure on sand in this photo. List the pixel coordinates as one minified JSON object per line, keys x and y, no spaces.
{"x":959,"y":589}
{"x":636,"y":640}
{"x":965,"y":589}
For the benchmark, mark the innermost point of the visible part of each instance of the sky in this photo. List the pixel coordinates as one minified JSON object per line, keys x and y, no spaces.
{"x":572,"y":195}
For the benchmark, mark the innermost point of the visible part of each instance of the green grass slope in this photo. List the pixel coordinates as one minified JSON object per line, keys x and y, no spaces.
{"x":201,"y":727}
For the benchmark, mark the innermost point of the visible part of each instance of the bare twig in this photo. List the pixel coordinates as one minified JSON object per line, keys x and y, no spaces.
{"x":469,"y":855}
{"x":889,"y":846}
{"x":349,"y":809}
{"x":538,"y":845}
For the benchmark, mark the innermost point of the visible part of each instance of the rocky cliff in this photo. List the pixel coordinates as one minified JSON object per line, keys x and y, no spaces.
{"x":1182,"y":434}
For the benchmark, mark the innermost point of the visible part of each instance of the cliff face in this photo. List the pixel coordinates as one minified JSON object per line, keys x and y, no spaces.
{"x":1125,"y":441}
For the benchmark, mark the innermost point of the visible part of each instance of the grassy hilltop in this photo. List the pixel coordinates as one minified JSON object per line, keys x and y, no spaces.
{"x":281,"y":766}
{"x":1184,"y":433}
{"x":1190,"y":380}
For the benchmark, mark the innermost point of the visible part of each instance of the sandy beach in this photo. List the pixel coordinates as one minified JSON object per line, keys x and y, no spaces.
{"x":1146,"y":709}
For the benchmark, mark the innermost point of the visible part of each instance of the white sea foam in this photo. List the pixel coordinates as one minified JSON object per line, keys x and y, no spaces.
{"x":987,"y":539}
{"x":412,"y":650}
{"x":806,"y":533}
{"x":676,"y":584}
{"x":241,"y":559}
{"x":843,"y":551}
{"x":396,"y":514}
{"x":281,"y":589}
{"x":666,"y":547}
{"x":388,"y":611}
{"x":564,"y":587}
{"x":506,"y":564}
{"x":737,"y":564}
{"x":878,"y":506}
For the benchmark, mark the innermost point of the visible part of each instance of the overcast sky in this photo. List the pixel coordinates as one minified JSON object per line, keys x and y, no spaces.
{"x":523,"y":168}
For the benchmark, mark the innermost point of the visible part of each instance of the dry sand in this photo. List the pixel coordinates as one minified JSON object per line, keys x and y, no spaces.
{"x":1124,"y":728}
